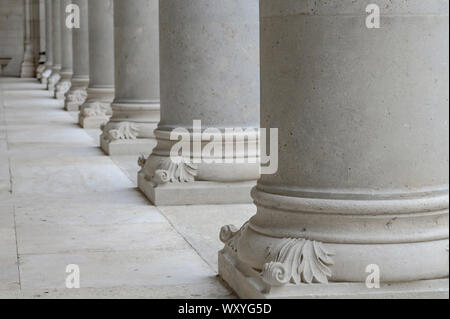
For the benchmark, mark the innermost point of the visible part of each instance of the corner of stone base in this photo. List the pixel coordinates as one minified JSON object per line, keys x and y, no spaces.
{"x":69,"y":107}
{"x":139,"y":146}
{"x":92,"y":122}
{"x":60,"y":96}
{"x":248,"y":285}
{"x":196,"y":193}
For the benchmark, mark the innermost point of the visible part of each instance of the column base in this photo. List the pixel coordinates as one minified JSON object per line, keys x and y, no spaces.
{"x":92,"y":122}
{"x":71,"y":106}
{"x":196,"y":193}
{"x":96,"y":111}
{"x":138,"y":146}
{"x":77,"y":94}
{"x":27,"y":70}
{"x":247,"y":284}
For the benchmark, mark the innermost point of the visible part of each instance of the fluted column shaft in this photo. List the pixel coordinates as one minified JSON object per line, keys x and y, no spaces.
{"x":56,"y":44}
{"x":66,"y":54}
{"x":80,"y":41}
{"x":97,"y":109}
{"x":136,"y":103}
{"x":363,"y":153}
{"x":209,"y":72}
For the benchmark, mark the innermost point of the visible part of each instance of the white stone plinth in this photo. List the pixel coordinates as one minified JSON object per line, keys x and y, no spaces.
{"x":127,"y":147}
{"x":198,"y":193}
{"x":247,"y":283}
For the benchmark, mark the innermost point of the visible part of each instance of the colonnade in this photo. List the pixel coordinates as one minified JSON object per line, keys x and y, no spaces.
{"x":361,"y":114}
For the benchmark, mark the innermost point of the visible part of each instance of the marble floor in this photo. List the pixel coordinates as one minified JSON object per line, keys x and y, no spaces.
{"x":63,"y":201}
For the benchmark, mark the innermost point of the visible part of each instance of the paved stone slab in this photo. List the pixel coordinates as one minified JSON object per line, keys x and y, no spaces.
{"x":9,"y":274}
{"x":130,"y":268}
{"x":71,"y":204}
{"x":212,"y":289}
{"x":200,"y":225}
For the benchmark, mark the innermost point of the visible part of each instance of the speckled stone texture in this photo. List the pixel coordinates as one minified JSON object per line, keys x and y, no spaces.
{"x":210,"y":69}
{"x":80,"y":42}
{"x":363,"y":153}
{"x":96,"y":111}
{"x":136,"y":104}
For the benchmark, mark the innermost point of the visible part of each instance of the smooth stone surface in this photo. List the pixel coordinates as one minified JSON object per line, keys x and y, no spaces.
{"x":200,"y":225}
{"x":112,"y":269}
{"x":212,"y":289}
{"x":363,"y":146}
{"x":72,"y":204}
{"x":196,"y":193}
{"x":140,"y":146}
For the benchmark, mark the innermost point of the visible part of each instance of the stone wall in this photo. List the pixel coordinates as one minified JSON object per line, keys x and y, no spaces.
{"x":12,"y":34}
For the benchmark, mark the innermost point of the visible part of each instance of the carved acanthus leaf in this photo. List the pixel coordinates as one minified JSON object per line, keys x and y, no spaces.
{"x":78,"y":96}
{"x":46,"y":73}
{"x":97,"y":109}
{"x":40,"y":68}
{"x":179,"y":171}
{"x":125,"y":131}
{"x":297,"y":261}
{"x":54,"y":78}
{"x":230,"y":235}
{"x":63,"y":87}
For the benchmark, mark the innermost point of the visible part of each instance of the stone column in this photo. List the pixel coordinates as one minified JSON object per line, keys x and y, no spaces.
{"x":80,"y":81}
{"x":66,"y":53}
{"x":42,"y":34}
{"x":57,"y":57}
{"x":210,"y":73}
{"x":35,"y":31}
{"x":362,"y":183}
{"x":41,"y":39}
{"x":96,"y":111}
{"x":27,"y":70}
{"x":136,"y":104}
{"x":48,"y":42}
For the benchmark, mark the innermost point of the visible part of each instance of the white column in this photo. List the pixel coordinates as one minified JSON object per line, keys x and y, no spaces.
{"x":362,"y":185}
{"x":57,"y":57}
{"x":27,"y":70}
{"x":80,"y":81}
{"x":35,"y":31}
{"x":66,"y":54}
{"x":97,"y":109}
{"x":210,"y":73}
{"x":41,"y":39}
{"x":48,"y":42}
{"x":136,"y":104}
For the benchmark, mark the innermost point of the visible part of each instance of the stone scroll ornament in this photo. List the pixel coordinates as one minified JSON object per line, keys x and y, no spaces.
{"x":230,"y":235}
{"x":294,"y":261}
{"x":297,"y":261}
{"x":125,"y":131}
{"x":77,"y":96}
{"x":97,"y":109}
{"x":169,"y":171}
